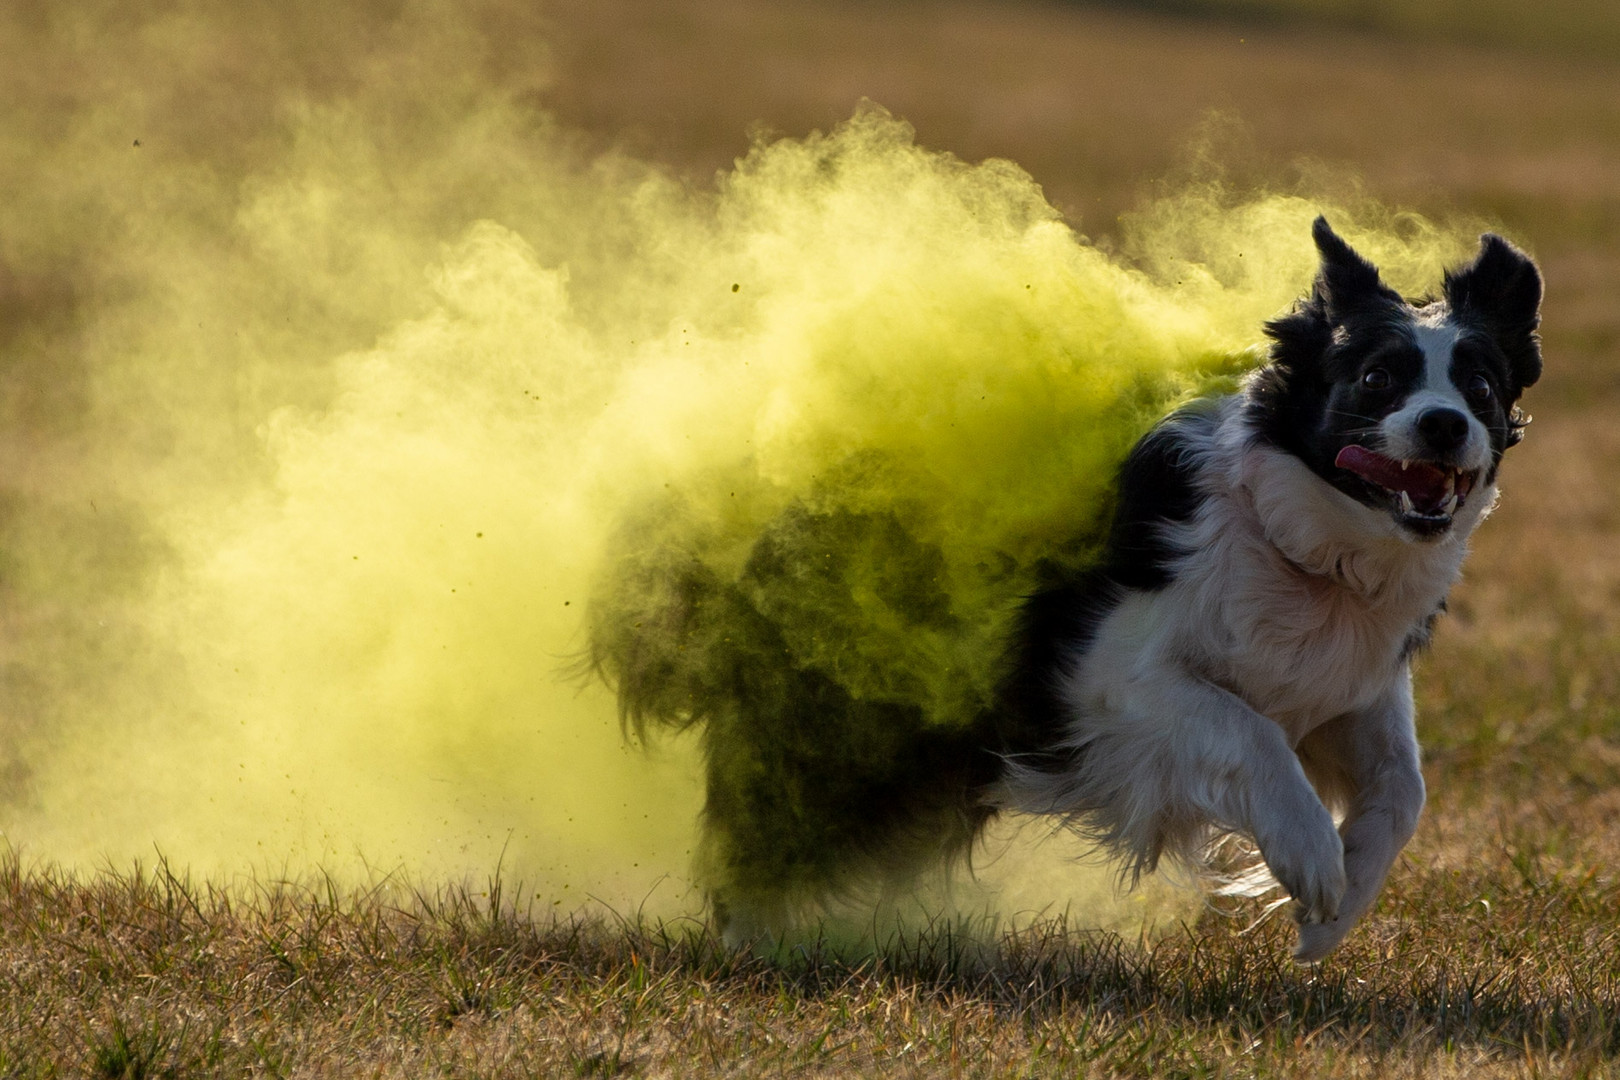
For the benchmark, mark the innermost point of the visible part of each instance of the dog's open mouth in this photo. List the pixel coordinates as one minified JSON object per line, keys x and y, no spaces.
{"x":1422,"y":492}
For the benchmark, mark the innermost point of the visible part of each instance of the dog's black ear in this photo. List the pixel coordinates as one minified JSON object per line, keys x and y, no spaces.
{"x":1500,"y":291}
{"x":1347,"y":284}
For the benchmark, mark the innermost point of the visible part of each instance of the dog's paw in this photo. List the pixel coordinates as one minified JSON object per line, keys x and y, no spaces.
{"x":1307,"y":859}
{"x":1316,"y":940}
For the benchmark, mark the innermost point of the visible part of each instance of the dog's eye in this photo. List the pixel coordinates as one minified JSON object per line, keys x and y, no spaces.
{"x":1376,"y":379}
{"x":1479,"y":388}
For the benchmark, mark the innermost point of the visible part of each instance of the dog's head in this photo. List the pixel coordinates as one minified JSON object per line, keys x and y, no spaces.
{"x":1406,"y":407}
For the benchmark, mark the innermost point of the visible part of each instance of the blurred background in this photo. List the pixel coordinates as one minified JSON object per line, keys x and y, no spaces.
{"x":1503,"y":109}
{"x":156,"y":153}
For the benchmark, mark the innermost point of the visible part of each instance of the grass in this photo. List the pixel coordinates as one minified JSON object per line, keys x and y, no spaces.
{"x":1497,"y":968}
{"x":1495,"y":950}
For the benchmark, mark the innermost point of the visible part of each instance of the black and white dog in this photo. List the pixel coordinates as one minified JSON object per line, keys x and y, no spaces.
{"x":1241,"y":663}
{"x":1236,"y":662}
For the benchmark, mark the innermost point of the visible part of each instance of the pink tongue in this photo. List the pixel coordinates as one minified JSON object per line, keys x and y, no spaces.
{"x":1424,"y":483}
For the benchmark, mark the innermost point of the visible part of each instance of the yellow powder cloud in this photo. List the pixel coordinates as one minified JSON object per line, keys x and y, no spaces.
{"x":323,"y":411}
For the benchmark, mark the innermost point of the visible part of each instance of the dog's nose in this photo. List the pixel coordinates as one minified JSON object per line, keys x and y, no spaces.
{"x":1443,"y":429}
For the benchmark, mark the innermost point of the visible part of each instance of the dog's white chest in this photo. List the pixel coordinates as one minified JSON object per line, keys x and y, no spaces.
{"x":1303,"y":650}
{"x":1313,"y":633}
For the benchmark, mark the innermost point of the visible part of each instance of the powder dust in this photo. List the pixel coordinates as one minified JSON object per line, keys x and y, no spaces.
{"x":323,"y":400}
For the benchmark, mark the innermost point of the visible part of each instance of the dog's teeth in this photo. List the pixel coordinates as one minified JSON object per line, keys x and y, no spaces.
{"x":1449,"y":507}
{"x":1406,"y":502}
{"x":1405,"y":464}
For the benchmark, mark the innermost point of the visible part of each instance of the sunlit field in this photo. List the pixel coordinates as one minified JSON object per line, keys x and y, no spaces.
{"x":1495,"y":950}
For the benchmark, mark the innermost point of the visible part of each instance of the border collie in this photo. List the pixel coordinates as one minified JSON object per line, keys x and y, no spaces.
{"x":1241,"y":664}
{"x":1236,"y":663}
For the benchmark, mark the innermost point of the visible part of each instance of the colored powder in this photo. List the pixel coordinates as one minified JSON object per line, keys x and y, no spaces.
{"x":331,"y":408}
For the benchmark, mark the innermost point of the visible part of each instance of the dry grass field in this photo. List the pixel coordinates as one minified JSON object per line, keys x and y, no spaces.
{"x":1495,"y":950}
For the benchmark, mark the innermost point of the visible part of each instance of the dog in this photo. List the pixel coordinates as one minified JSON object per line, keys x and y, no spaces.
{"x":1235,"y":661}
{"x":1242,"y":661}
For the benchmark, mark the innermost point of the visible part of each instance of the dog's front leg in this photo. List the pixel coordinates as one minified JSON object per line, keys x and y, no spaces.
{"x":1367,"y":762}
{"x":1165,"y":754}
{"x":1255,"y":784}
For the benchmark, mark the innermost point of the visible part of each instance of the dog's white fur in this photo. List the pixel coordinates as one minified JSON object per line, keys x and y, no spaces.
{"x":1266,"y":690}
